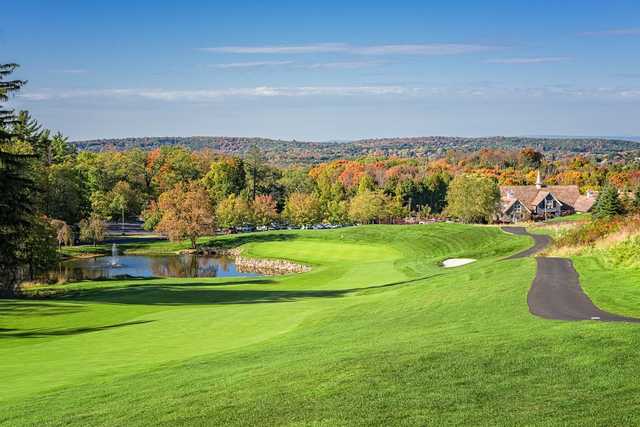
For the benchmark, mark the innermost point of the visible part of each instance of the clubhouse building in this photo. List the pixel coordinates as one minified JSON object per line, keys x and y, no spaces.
{"x":539,"y":201}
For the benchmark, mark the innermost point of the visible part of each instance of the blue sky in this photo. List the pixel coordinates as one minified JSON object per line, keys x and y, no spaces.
{"x":327,"y":70}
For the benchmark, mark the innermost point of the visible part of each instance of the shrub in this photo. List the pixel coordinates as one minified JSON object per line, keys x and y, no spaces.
{"x":598,"y":229}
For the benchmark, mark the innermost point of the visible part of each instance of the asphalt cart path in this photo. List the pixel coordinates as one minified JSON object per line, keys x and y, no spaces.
{"x":555,"y":292}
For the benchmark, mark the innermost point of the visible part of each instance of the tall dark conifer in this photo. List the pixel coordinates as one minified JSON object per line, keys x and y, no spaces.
{"x":608,"y":204}
{"x":17,"y":189}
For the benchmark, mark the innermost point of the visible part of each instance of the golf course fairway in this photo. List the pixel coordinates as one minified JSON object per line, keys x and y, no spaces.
{"x":378,"y":333}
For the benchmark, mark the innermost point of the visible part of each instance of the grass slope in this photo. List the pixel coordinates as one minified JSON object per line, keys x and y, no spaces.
{"x":377,"y":333}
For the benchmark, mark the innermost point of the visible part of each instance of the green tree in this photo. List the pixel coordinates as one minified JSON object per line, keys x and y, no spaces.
{"x":131,"y":199}
{"x":17,"y":190}
{"x":117,"y":206}
{"x":396,"y":209}
{"x":337,"y":212}
{"x":65,"y":195}
{"x":27,"y":130}
{"x":437,"y":186}
{"x":303,"y":209}
{"x":233,"y":211}
{"x":38,"y":248}
{"x":473,"y":198}
{"x":61,"y":151}
{"x":608,"y":203}
{"x":64,"y":233}
{"x":151,"y":216}
{"x":92,"y":229}
{"x":368,"y":207}
{"x":296,"y":180}
{"x":366,"y":184}
{"x":225,"y":177}
{"x":254,"y":163}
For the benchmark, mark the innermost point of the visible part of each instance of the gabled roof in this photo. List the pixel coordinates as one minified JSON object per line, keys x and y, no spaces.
{"x":543,"y":195}
{"x":584,"y":203}
{"x":509,"y":204}
{"x":530,"y":196}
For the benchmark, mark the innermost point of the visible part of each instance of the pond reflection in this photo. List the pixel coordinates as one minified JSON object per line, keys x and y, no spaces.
{"x":146,"y":266}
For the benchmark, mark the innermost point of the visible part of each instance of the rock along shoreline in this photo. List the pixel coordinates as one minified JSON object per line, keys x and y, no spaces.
{"x":270,"y":267}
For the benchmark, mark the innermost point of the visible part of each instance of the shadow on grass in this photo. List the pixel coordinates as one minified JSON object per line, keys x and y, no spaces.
{"x":191,"y":294}
{"x":41,"y":333}
{"x":9,"y":308}
{"x":203,"y":293}
{"x":399,"y":284}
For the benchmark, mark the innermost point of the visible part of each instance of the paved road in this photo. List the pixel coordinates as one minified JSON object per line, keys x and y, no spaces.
{"x":540,"y":241}
{"x":555,"y":292}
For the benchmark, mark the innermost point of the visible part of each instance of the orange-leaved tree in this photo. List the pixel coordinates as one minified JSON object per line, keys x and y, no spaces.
{"x":186,"y":213}
{"x":264,"y":210}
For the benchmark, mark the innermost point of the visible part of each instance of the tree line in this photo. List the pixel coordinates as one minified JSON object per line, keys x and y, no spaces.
{"x":52,"y":195}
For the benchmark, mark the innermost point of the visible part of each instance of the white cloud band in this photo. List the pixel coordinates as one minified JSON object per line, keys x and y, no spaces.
{"x":387,"y":49}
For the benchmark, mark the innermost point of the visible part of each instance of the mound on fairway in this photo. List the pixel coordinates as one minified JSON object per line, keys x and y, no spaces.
{"x":376,"y":334}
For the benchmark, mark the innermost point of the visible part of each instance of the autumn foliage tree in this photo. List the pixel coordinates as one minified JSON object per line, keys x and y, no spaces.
{"x":263,"y":210}
{"x":303,"y":209}
{"x":233,"y":211}
{"x":186,"y":213}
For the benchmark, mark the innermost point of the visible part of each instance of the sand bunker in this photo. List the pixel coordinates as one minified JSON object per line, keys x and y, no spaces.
{"x":456,"y":262}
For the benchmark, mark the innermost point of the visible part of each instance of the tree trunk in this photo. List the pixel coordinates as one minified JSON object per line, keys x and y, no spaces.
{"x":193,"y":242}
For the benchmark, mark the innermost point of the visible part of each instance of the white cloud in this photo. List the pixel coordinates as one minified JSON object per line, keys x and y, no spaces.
{"x":345,"y":65}
{"x":209,"y":94}
{"x":202,"y":95}
{"x":387,"y":49}
{"x":630,"y":93}
{"x":614,"y":32}
{"x":253,"y":64}
{"x":71,"y":71}
{"x":534,"y":60}
{"x":422,"y":49}
{"x":309,"y":48}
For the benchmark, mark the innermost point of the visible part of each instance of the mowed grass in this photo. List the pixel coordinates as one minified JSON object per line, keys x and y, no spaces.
{"x":376,"y":334}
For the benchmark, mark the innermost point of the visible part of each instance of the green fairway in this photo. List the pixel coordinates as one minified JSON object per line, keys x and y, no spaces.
{"x":376,"y":334}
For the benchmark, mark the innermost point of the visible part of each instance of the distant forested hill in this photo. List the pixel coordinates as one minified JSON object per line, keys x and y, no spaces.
{"x":284,"y":152}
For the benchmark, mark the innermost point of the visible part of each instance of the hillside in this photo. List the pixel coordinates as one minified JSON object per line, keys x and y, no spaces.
{"x":282,"y":151}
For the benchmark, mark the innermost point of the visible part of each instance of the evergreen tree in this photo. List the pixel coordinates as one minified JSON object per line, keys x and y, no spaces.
{"x":254,"y":163}
{"x":608,"y":204}
{"x":17,"y":189}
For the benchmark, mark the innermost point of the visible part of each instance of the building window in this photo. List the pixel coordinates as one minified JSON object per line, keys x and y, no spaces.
{"x":550,"y":205}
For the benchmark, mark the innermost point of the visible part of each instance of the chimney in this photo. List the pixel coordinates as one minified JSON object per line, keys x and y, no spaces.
{"x":539,"y":184}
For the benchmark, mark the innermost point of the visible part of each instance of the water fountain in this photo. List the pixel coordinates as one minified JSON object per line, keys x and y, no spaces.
{"x":114,"y":256}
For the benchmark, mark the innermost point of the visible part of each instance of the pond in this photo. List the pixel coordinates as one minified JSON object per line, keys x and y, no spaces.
{"x":107,"y":267}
